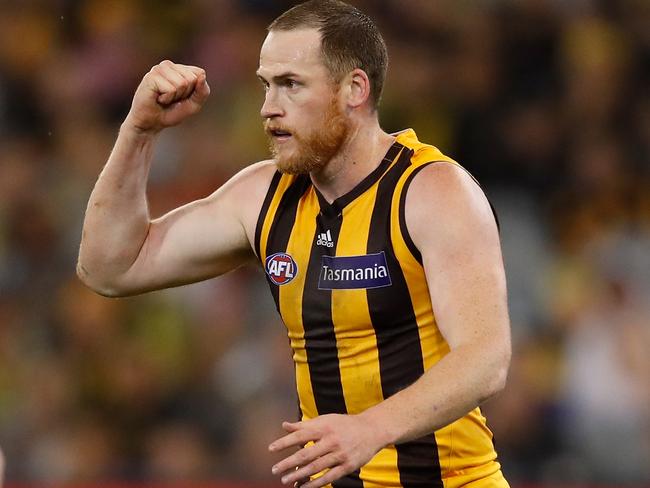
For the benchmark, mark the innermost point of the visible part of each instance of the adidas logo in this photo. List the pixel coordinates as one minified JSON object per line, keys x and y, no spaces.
{"x":325,"y":239}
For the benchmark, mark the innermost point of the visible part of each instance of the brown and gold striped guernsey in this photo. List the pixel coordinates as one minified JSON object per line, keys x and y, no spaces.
{"x":349,"y":284}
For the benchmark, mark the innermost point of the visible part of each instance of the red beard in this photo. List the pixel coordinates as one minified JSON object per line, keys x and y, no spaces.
{"x":315,"y":148}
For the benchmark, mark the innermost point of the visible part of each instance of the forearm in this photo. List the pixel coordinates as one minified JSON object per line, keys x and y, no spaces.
{"x":458,"y":383}
{"x":117,"y":217}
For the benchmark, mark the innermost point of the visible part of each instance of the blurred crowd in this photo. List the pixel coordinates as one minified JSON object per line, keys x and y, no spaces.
{"x":546,"y":102}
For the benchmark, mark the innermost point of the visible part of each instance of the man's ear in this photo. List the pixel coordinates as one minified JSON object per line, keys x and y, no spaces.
{"x":358,"y":85}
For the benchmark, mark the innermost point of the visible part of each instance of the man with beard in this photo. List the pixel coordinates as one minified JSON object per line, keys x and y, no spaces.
{"x":381,"y":253}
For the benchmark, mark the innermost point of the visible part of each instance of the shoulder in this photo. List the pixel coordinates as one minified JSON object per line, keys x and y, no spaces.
{"x":444,"y":205}
{"x":254,"y":174}
{"x":248,"y":184}
{"x":442,"y":180}
{"x":242,"y":196}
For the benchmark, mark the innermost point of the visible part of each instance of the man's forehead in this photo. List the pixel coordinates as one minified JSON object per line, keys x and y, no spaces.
{"x":294,"y":48}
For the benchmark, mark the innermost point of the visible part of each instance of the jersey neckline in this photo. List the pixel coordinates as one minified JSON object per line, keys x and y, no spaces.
{"x":334,"y":209}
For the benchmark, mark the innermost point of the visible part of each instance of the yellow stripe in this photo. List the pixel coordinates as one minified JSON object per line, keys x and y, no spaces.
{"x":291,"y":298}
{"x":423,"y":152}
{"x":382,"y":469}
{"x":357,"y":345}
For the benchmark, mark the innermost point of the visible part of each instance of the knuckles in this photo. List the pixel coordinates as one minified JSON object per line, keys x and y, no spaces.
{"x":342,"y":459}
{"x":190,"y":74}
{"x":335,"y":442}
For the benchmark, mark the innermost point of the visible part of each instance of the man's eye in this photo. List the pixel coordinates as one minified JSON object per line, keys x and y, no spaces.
{"x":291,"y":83}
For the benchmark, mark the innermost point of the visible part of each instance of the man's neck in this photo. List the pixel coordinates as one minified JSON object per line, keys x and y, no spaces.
{"x":360,"y":155}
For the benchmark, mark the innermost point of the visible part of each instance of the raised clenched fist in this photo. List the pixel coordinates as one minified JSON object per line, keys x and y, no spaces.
{"x":167,"y":95}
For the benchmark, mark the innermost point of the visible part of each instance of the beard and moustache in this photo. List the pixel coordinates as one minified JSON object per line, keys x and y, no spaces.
{"x":315,"y":148}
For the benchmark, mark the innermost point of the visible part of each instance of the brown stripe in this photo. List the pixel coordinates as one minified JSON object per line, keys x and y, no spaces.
{"x":402,"y":214}
{"x":320,"y":338}
{"x":351,"y":480}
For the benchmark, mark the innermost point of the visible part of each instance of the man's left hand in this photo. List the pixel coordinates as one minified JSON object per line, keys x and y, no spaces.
{"x":339,"y":444}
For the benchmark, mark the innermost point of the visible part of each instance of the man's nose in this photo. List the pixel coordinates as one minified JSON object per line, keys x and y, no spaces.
{"x":271,"y":106}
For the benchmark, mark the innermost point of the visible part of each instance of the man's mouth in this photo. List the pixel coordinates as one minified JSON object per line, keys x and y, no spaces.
{"x":279,"y":134}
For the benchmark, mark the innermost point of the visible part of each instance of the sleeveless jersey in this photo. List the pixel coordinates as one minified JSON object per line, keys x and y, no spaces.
{"x":349,"y":284}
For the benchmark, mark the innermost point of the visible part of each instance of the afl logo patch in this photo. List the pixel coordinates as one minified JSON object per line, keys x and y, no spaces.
{"x":281,"y":268}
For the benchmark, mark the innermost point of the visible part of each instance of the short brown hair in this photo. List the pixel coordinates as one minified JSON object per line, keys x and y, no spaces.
{"x":349,"y":39}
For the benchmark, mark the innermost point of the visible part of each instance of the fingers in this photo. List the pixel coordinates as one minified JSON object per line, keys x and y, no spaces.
{"x":338,"y":444}
{"x":168,"y":94}
{"x":183,"y":81}
{"x":176,"y":82}
{"x":314,"y":467}
{"x":321,"y":455}
{"x":291,"y":426}
{"x":297,"y":438}
{"x":331,"y":475}
{"x":202,"y":90}
{"x":303,"y":457}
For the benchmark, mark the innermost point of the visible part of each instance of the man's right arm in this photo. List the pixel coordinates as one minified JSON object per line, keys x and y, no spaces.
{"x":123,"y":251}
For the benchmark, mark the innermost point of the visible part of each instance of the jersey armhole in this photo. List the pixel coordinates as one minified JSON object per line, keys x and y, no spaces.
{"x":273,"y":186}
{"x":402,"y":213}
{"x":402,"y":209}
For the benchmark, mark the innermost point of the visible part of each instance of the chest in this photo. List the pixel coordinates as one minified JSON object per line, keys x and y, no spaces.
{"x":330,"y":268}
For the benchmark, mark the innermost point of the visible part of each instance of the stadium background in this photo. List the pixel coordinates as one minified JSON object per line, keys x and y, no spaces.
{"x":547,"y":102}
